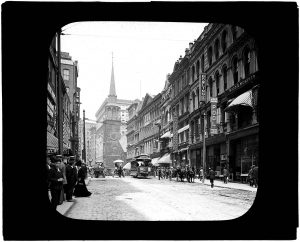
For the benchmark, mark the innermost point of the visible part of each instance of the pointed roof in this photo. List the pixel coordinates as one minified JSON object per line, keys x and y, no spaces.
{"x":112,"y":89}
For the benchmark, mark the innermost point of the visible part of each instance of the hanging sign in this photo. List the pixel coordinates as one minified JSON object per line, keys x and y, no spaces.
{"x":202,"y":87}
{"x":213,"y":102}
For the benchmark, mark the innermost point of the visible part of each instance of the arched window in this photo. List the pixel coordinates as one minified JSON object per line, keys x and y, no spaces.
{"x":224,"y":41}
{"x":217,"y":78}
{"x":210,"y":83}
{"x":198,"y":98}
{"x":202,"y":63}
{"x":197,"y":68}
{"x":209,"y":56}
{"x":217,"y":45}
{"x":193,"y":73}
{"x":235,"y":71}
{"x":224,"y":72}
{"x":246,"y":61}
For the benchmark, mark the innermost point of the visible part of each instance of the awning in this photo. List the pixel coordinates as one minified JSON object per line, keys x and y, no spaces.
{"x":183,"y":129}
{"x":244,"y":99}
{"x":167,"y":135}
{"x":166,"y":159}
{"x":154,"y":161}
{"x":183,"y":149}
{"x":52,"y":141}
{"x":127,"y":166}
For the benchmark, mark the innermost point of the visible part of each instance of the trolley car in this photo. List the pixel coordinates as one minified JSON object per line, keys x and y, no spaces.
{"x":140,"y":166}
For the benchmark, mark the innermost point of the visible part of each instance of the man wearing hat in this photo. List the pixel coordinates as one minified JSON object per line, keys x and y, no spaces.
{"x":56,"y":182}
{"x":71,"y":176}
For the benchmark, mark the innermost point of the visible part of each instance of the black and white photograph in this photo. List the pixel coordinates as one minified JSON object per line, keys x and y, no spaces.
{"x":142,"y":121}
{"x":159,"y":119}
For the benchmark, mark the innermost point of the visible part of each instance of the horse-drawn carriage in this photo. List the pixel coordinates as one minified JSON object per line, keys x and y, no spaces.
{"x":185,"y":172}
{"x":99,"y":170}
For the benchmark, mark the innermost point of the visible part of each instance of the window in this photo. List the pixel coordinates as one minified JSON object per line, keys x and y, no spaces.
{"x":210,"y":83}
{"x":193,"y":73}
{"x":234,"y":32}
{"x":66,"y":74}
{"x":209,"y":56}
{"x":217,"y":44}
{"x":217,"y":78}
{"x":225,"y":77}
{"x":224,"y":41}
{"x":247,"y":60}
{"x":197,"y":68}
{"x":202,"y":63}
{"x":193,"y":94}
{"x":235,"y":70}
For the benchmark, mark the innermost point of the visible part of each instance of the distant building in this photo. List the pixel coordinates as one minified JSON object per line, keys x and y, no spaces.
{"x":111,"y":117}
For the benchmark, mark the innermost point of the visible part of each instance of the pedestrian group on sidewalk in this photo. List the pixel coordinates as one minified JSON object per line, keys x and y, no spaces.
{"x":65,"y":179}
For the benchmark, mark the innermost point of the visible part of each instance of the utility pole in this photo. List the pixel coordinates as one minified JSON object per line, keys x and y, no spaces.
{"x":59,"y":99}
{"x":84,"y":148}
{"x":204,"y":145}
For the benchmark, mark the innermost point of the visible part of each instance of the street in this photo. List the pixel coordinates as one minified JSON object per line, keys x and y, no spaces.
{"x":150,"y":199}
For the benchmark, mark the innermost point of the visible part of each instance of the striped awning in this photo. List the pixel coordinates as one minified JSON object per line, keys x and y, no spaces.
{"x":52,"y":141}
{"x":183,"y":129}
{"x":244,"y":99}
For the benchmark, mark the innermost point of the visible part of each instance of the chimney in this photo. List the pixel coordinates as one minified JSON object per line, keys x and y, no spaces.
{"x":186,"y":51}
{"x":180,"y":58}
{"x":190,"y":45}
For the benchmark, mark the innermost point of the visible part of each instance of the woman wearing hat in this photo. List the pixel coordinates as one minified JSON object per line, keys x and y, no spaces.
{"x":80,"y":188}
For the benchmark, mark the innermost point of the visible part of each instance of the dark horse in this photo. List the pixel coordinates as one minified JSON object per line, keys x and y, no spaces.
{"x":180,"y":173}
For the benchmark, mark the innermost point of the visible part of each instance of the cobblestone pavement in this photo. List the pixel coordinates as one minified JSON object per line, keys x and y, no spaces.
{"x":150,"y":199}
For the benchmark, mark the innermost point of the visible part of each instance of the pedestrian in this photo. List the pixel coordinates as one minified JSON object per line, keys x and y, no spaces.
{"x":80,"y":188}
{"x":56,"y":182}
{"x":201,"y":174}
{"x":250,"y":176}
{"x":62,"y":168}
{"x":71,"y":176}
{"x":171,"y":173}
{"x":48,"y":167}
{"x":159,"y":173}
{"x":225,"y":175}
{"x":255,"y":176}
{"x":193,"y":174}
{"x":211,"y":174}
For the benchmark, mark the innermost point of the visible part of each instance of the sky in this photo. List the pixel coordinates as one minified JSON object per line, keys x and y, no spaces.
{"x":143,"y":54}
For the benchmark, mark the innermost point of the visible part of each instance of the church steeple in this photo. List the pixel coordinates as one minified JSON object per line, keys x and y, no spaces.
{"x":112,"y":89}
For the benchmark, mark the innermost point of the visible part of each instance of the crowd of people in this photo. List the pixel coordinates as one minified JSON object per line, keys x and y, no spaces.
{"x":191,"y":173}
{"x":65,"y":179}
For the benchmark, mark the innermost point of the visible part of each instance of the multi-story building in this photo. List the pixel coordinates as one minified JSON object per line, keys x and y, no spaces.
{"x":69,"y":70}
{"x":132,"y":129}
{"x":149,"y":125}
{"x":111,"y":129}
{"x":218,"y":78}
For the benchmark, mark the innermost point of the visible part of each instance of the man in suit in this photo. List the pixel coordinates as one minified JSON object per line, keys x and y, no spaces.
{"x":56,"y":182}
{"x":211,"y":177}
{"x":71,"y":176}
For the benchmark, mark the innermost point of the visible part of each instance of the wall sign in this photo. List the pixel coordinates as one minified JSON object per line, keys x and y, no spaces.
{"x":213,"y":102}
{"x":202,"y":87}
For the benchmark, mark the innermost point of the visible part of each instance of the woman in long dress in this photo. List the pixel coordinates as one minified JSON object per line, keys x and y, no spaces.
{"x":80,"y":188}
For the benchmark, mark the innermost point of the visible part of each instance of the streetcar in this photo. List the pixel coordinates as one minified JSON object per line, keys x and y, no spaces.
{"x":140,"y":166}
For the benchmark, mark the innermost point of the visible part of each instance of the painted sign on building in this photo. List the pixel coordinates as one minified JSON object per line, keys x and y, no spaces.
{"x":202,"y":87}
{"x":213,"y":102}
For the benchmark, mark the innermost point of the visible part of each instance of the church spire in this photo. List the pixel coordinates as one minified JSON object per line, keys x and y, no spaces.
{"x":112,"y":89}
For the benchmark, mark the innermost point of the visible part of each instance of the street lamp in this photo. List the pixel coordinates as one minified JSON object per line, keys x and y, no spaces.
{"x":84,"y":148}
{"x":204,"y":145}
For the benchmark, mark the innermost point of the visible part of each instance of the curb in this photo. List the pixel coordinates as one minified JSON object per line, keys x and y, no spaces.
{"x":67,"y":211}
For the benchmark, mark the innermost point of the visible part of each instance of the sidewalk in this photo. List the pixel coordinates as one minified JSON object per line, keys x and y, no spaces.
{"x":232,"y":185}
{"x":66,"y":206}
